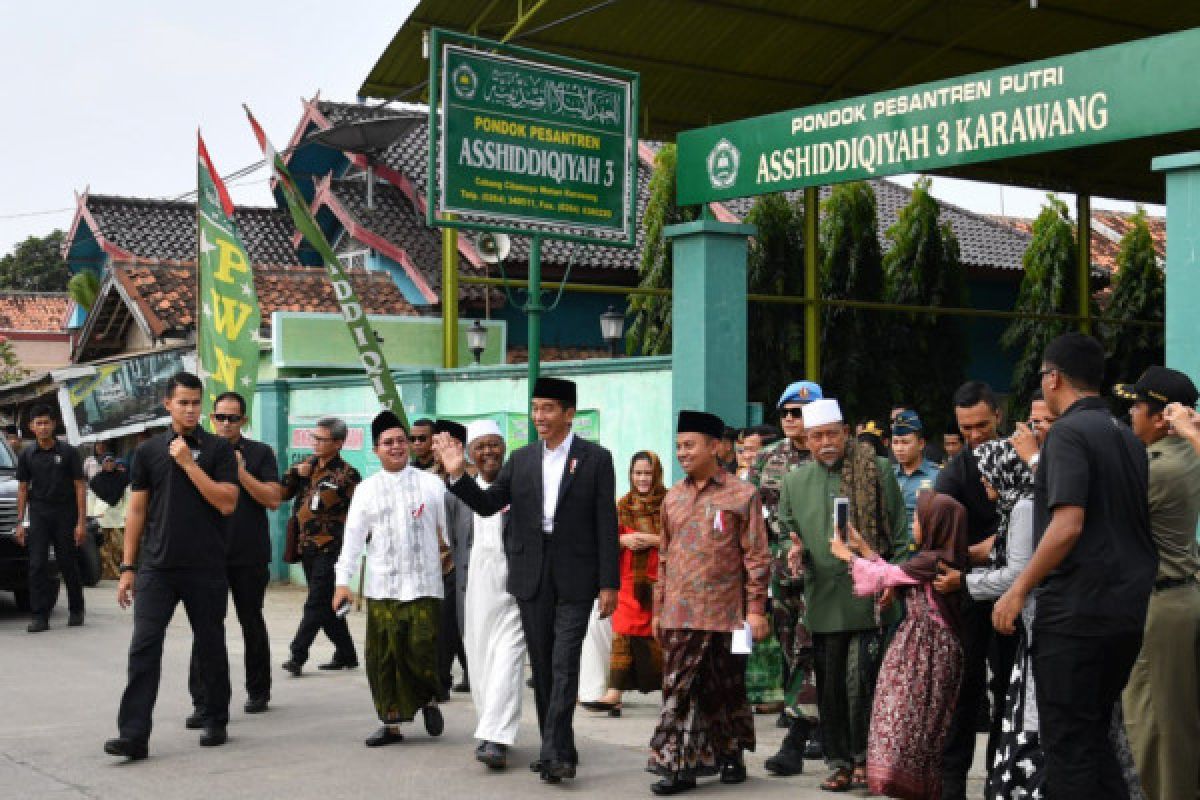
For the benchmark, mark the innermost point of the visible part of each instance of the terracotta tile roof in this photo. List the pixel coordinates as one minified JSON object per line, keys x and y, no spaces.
{"x":34,"y":311}
{"x":166,"y":229}
{"x":1108,"y":227}
{"x":520,"y":355}
{"x":166,"y":292}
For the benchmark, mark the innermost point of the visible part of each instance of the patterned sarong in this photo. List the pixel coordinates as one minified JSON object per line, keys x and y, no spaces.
{"x":402,"y":656}
{"x":705,"y":718}
{"x":635,"y":664}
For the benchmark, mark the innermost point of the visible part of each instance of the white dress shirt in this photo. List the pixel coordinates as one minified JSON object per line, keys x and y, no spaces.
{"x":554,"y":462}
{"x":403,"y":512}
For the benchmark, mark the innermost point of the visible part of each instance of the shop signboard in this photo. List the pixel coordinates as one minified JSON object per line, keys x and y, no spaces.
{"x":531,"y":141}
{"x":1126,"y":91}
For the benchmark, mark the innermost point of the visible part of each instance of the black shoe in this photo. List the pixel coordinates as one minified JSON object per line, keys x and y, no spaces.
{"x":128,"y":748}
{"x":194,"y":722}
{"x":493,"y":754}
{"x":293,"y":666}
{"x":214,"y":736}
{"x":673,"y":785}
{"x":256,"y":705}
{"x":434,"y":723}
{"x":529,"y":683}
{"x":75,"y":619}
{"x":462,"y":687}
{"x":37,"y":625}
{"x":339,"y":663}
{"x":442,"y":696}
{"x":813,"y":750}
{"x":783,"y":721}
{"x":536,"y":766}
{"x":384,"y":735}
{"x":479,"y":748}
{"x":790,"y":758}
{"x":733,"y":772}
{"x":557,"y":771}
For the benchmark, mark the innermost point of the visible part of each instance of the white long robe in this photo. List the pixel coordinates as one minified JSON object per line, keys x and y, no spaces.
{"x":492,"y":635}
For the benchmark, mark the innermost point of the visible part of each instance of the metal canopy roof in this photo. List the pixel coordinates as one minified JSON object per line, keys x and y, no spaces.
{"x":709,"y":61}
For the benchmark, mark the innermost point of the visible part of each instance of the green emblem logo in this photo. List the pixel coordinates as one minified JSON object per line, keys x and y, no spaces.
{"x":465,"y":82}
{"x":723,"y":162}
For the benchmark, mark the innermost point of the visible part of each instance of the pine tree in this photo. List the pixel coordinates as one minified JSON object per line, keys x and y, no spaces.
{"x":650,"y":332}
{"x":923,"y":269}
{"x":855,"y":345}
{"x":775,"y":266}
{"x":1048,"y":287}
{"x":1139,"y":294}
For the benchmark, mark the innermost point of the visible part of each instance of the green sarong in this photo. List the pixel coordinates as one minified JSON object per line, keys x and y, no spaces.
{"x":764,"y":672}
{"x":402,"y":656}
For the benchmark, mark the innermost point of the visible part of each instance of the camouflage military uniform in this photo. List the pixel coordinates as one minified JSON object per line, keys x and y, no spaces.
{"x":787,"y":590}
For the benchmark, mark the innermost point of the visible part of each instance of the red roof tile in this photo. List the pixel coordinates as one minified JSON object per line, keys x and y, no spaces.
{"x":34,"y":311}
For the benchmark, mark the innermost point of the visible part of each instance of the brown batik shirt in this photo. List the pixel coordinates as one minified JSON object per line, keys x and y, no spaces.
{"x":713,"y":558}
{"x":322,"y":500}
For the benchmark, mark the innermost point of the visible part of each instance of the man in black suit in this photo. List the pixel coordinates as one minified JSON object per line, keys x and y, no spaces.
{"x":562,"y":552}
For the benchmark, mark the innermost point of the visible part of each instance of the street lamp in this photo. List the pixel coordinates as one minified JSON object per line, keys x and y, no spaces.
{"x":477,"y":340}
{"x":612,"y":326}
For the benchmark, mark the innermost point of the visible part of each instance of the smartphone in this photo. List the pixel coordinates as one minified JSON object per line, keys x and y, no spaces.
{"x":841,"y":515}
{"x":344,"y":608}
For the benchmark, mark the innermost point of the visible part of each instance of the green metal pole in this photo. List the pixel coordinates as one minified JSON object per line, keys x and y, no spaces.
{"x":812,"y":308}
{"x":534,"y":309}
{"x":1083,"y":204}
{"x":449,"y":298}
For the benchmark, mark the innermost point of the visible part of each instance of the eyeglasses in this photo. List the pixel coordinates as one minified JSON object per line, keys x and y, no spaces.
{"x":419,"y":437}
{"x":794,"y":413}
{"x":322,"y":439}
{"x":1044,"y":372}
{"x":227,"y":417}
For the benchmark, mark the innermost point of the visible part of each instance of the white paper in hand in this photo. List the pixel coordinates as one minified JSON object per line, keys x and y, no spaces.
{"x":743,"y":641}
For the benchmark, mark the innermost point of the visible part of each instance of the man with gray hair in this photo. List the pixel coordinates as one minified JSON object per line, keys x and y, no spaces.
{"x":321,"y":486}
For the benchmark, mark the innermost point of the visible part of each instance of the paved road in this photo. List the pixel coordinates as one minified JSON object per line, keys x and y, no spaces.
{"x":58,"y":701}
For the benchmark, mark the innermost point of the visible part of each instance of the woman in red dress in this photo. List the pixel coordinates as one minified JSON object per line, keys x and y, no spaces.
{"x":636,"y":662}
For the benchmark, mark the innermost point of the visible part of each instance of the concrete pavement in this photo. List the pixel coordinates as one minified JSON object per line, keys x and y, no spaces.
{"x":58,"y":699}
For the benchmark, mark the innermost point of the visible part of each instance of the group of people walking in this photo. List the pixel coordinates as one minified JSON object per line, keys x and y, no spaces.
{"x":1060,"y":561}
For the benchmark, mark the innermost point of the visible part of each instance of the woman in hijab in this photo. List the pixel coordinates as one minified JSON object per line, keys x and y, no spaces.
{"x":918,"y":680}
{"x":636,"y":661}
{"x":107,"y":501}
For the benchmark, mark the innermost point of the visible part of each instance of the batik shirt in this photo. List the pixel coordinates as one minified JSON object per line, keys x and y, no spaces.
{"x":322,"y":500}
{"x":713,"y":556}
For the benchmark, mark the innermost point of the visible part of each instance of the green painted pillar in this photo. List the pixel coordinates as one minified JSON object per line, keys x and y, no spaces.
{"x":708,"y":318}
{"x":271,"y":409}
{"x":1183,"y":260}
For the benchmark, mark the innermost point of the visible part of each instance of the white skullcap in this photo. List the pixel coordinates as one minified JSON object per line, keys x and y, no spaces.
{"x":822,"y":412}
{"x":482,"y":427}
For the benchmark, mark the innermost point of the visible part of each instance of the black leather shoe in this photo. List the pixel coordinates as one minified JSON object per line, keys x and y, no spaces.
{"x":37,"y":626}
{"x":673,"y":785}
{"x":293,"y":666}
{"x":442,"y":696}
{"x":462,"y":687}
{"x":557,"y":771}
{"x":256,"y":705}
{"x":733,"y":772}
{"x":128,"y":748}
{"x":493,"y":754}
{"x":75,"y":619}
{"x":383,"y":736}
{"x":536,"y":766}
{"x":338,"y":663}
{"x":813,"y":750}
{"x":194,"y":722}
{"x":434,"y":723}
{"x":214,"y":736}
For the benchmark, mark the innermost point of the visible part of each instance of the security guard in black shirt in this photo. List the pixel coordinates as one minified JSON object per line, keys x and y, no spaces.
{"x":184,"y":487}
{"x":52,"y":489}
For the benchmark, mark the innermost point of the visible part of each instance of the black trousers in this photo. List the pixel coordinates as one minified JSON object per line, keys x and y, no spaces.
{"x":156,"y":593}
{"x":847,"y":666}
{"x":450,"y":643}
{"x":318,"y":610}
{"x":52,"y":527}
{"x":554,"y":632}
{"x":248,"y":587}
{"x":983,"y":648}
{"x":1079,"y":679}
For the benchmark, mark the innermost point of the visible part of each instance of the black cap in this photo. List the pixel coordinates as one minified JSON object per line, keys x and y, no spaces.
{"x":384,"y":421}
{"x":700,"y":422}
{"x":556,"y":389}
{"x":1160,"y":385}
{"x":451,"y":427}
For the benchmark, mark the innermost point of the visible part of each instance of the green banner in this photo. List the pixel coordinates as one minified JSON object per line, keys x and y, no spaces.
{"x":1127,"y":91}
{"x":227,"y":316}
{"x":361,"y":332}
{"x":529,"y":144}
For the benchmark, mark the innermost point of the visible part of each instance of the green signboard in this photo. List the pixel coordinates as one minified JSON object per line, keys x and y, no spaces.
{"x":531,"y":142}
{"x":1126,"y":91}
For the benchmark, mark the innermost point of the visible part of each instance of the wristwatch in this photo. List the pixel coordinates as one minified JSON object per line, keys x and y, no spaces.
{"x":127,"y":568}
{"x":1033,"y":461}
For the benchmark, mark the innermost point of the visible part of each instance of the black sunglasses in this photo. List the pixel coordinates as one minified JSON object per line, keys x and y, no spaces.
{"x":227,"y":417}
{"x":419,"y":437}
{"x":794,"y":413}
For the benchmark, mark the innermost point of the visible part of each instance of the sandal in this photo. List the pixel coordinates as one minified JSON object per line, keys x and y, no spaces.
{"x":838,"y":781}
{"x":858,"y":779}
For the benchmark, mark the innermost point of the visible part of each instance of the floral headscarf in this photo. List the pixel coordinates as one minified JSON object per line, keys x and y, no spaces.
{"x":1011,"y":477}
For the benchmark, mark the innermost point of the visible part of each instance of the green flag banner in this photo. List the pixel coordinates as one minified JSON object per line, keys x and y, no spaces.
{"x":369,"y":354}
{"x":227,"y":313}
